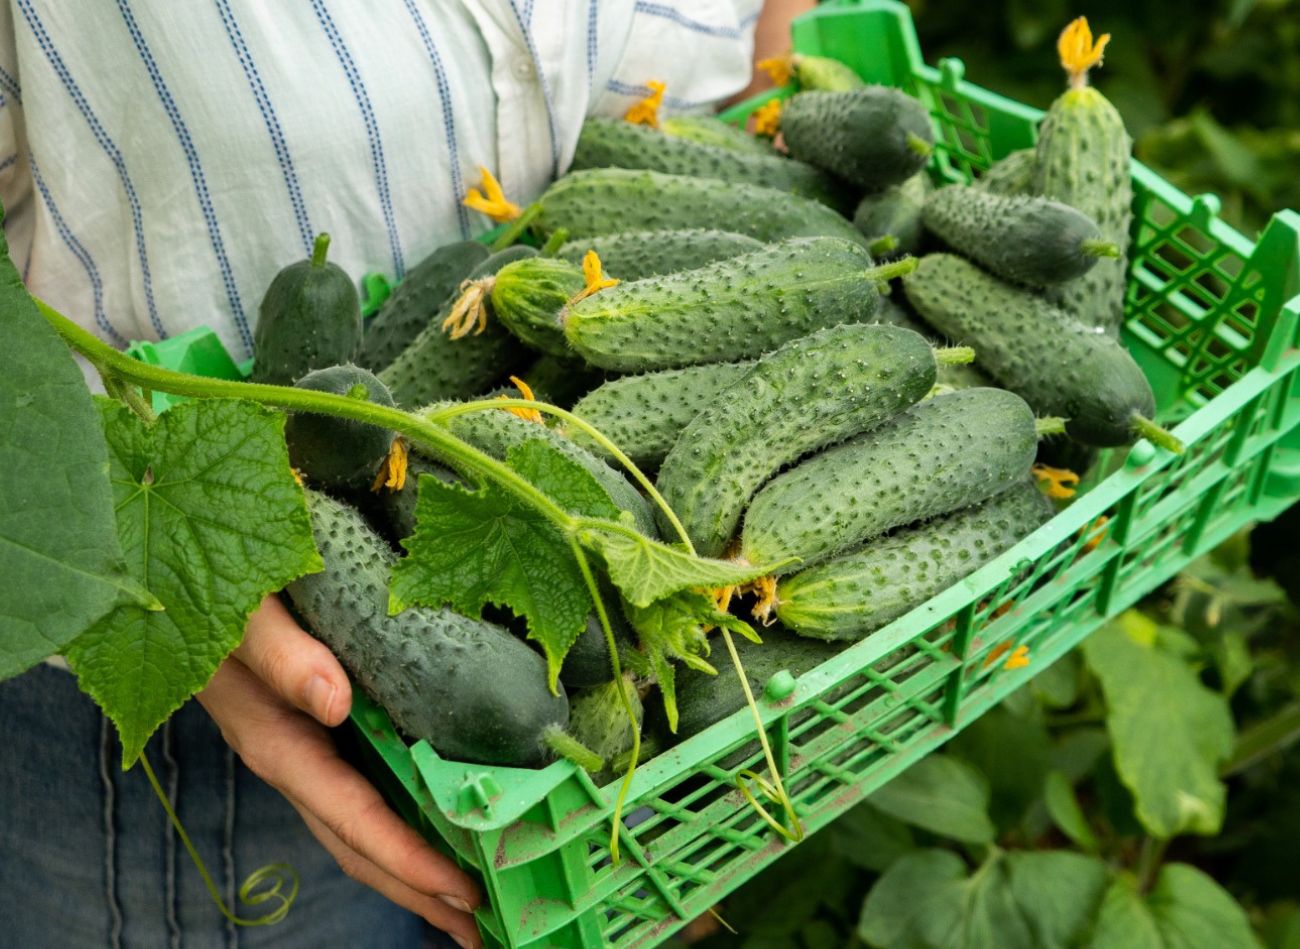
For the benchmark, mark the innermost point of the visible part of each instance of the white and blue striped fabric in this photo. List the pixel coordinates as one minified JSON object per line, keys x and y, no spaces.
{"x":160,"y":160}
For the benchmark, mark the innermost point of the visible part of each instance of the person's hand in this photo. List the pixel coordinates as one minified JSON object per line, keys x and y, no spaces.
{"x":272,"y":700}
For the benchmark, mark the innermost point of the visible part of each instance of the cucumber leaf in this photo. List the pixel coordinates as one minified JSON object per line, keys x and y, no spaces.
{"x":211,"y":521}
{"x":943,"y":795}
{"x":1184,"y":909}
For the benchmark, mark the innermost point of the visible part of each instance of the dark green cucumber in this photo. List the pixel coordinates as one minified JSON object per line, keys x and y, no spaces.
{"x":467,"y":687}
{"x":874,"y":136}
{"x":398,"y":507}
{"x":559,"y":380}
{"x":635,"y":255}
{"x":808,"y":394}
{"x":1055,"y":363}
{"x":587,"y":662}
{"x":944,"y":453}
{"x":1033,"y":241}
{"x":310,"y":318}
{"x":893,"y":310}
{"x":711,"y":130}
{"x":436,"y":367}
{"x":337,"y":452}
{"x":527,"y":297}
{"x":1012,"y":175}
{"x":728,"y":310}
{"x":610,"y":200}
{"x":824,"y":73}
{"x":415,"y":302}
{"x":853,"y":595}
{"x":895,"y":212}
{"x":644,"y":414}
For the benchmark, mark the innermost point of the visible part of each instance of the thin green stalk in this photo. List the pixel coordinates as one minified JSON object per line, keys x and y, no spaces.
{"x":1143,"y":427}
{"x":517,"y":228}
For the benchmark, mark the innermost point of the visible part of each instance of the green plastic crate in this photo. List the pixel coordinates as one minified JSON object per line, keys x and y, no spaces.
{"x":1212,"y":318}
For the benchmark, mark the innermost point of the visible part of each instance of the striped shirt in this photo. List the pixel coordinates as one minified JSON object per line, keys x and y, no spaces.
{"x":160,"y":160}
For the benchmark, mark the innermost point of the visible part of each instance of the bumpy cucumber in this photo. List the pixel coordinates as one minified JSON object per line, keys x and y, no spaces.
{"x":559,"y":380}
{"x":873,"y":136}
{"x":599,"y":721}
{"x":337,"y":452}
{"x":1055,"y":363}
{"x":436,"y":367}
{"x":728,"y":310}
{"x":895,"y":212}
{"x":945,"y":453}
{"x":853,"y":595}
{"x":1012,"y":175}
{"x":471,"y":689}
{"x":635,"y":255}
{"x":614,"y":143}
{"x":1083,"y":158}
{"x":527,"y":297}
{"x":587,"y":662}
{"x":810,"y":393}
{"x":1034,"y":241}
{"x":415,"y":301}
{"x":824,"y":73}
{"x":711,"y":130}
{"x":611,"y":200}
{"x":893,"y":310}
{"x":310,"y":318}
{"x":644,"y":414}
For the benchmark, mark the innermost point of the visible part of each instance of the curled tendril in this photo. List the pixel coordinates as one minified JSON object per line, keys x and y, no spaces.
{"x":775,"y":795}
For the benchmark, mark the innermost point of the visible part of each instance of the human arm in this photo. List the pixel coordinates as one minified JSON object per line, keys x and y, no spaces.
{"x":772,"y":37}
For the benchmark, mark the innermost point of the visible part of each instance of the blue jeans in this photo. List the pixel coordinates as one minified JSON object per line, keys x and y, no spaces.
{"x":88,"y":857}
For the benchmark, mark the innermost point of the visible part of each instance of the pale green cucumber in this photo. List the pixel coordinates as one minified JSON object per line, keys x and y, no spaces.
{"x":1011,"y":175}
{"x":635,"y":255}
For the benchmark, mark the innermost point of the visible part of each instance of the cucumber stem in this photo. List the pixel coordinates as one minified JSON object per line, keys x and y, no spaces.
{"x":517,"y":227}
{"x":918,"y":146}
{"x":554,"y":242}
{"x":1049,"y":425}
{"x":320,"y":249}
{"x":1143,"y":427}
{"x":895,"y":268}
{"x":1099,"y":248}
{"x":882,"y":245}
{"x":954,"y":355}
{"x":568,"y":747}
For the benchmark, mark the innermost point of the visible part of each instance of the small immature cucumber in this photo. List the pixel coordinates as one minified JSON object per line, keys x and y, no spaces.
{"x":610,"y":200}
{"x":471,"y":689}
{"x":810,"y":393}
{"x":599,"y":721}
{"x":1011,"y":175}
{"x":874,"y":136}
{"x":614,"y":143}
{"x":853,"y":595}
{"x":1033,"y":241}
{"x":528,"y":296}
{"x":711,"y":130}
{"x":1055,"y":363}
{"x":337,"y":452}
{"x":635,"y":255}
{"x":728,"y":310}
{"x":415,"y":301}
{"x":644,"y":414}
{"x":945,"y":453}
{"x":824,"y":73}
{"x":895,"y":212}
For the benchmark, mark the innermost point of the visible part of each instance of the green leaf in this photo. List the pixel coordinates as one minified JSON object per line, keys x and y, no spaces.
{"x":472,"y":548}
{"x":1168,"y":732}
{"x":1184,"y":910}
{"x":1014,"y":753}
{"x":211,"y":521}
{"x":943,"y":795}
{"x":59,"y":554}
{"x":1066,"y":813}
{"x":872,"y":840}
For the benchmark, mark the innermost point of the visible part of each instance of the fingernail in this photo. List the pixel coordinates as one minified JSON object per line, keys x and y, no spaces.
{"x":320,"y":696}
{"x":455,"y":902}
{"x":461,"y":940}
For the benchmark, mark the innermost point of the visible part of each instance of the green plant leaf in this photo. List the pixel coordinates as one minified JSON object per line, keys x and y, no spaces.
{"x":943,"y":795}
{"x":870,"y":839}
{"x":1066,"y":814}
{"x":475,"y":547}
{"x":1014,"y":753}
{"x":1184,"y":910}
{"x":211,"y":521}
{"x":1168,"y":732}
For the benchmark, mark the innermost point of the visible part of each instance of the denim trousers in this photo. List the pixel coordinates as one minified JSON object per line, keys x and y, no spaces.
{"x":89,"y":858}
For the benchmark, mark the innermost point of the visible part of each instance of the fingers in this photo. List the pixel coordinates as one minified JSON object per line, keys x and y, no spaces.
{"x":300,"y":668}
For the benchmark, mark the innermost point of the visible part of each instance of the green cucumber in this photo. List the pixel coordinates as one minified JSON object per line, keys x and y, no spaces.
{"x":309,"y":318}
{"x":953,"y":375}
{"x":599,"y":721}
{"x":528,"y":296}
{"x":1055,"y":363}
{"x":469,"y":688}
{"x":858,"y":593}
{"x":610,"y":200}
{"x":644,"y":414}
{"x":634,"y":255}
{"x":559,"y":380}
{"x":1033,"y":241}
{"x":874,"y":136}
{"x":942,"y":454}
{"x":587,"y":662}
{"x":436,"y":367}
{"x":397,"y":507}
{"x":808,"y":394}
{"x":415,"y":302}
{"x":614,"y":143}
{"x":1011,"y":175}
{"x":824,"y":73}
{"x":337,"y":452}
{"x":711,"y":130}
{"x":895,"y":212}
{"x":728,"y":310}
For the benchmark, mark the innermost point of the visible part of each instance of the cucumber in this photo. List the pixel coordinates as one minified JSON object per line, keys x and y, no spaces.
{"x":309,"y":318}
{"x":559,"y":380}
{"x":587,"y":662}
{"x":856,"y":594}
{"x":1055,"y":363}
{"x":415,"y":302}
{"x":895,"y":212}
{"x":644,"y":414}
{"x":435,"y":367}
{"x":528,"y":296}
{"x":945,"y":453}
{"x":822,"y":72}
{"x":337,"y":452}
{"x":610,"y":200}
{"x":874,"y":136}
{"x":467,"y":687}
{"x":711,"y":130}
{"x":810,"y":393}
{"x":953,"y":375}
{"x":728,"y":310}
{"x":599,"y":721}
{"x":397,"y":508}
{"x":614,"y":143}
{"x":1032,"y":241}
{"x":634,"y":255}
{"x":1011,"y":175}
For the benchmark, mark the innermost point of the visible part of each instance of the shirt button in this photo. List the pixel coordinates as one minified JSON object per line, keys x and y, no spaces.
{"x":524,"y":70}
